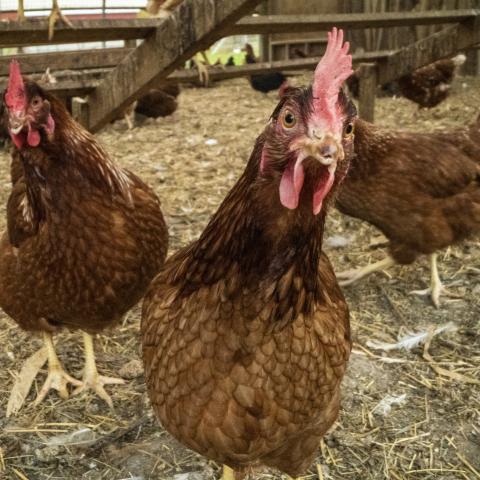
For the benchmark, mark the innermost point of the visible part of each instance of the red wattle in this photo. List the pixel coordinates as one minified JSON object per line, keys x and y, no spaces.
{"x":33,"y":138}
{"x":291,"y":184}
{"x":321,"y":192}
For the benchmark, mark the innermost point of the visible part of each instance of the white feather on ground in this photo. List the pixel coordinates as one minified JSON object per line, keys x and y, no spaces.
{"x":384,"y":406}
{"x":411,"y":339}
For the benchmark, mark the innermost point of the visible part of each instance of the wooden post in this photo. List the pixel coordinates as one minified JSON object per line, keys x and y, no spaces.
{"x":80,"y":110}
{"x":367,"y":91}
{"x":472,"y":64}
{"x":131,"y":43}
{"x":265,"y":38}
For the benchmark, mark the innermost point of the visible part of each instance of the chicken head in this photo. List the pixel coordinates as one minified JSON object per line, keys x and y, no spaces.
{"x":28,"y":112}
{"x":309,"y":140}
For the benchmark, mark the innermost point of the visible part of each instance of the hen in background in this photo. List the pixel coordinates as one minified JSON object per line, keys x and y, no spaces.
{"x":84,"y":237}
{"x":427,"y":86}
{"x":245,"y":332}
{"x":158,"y":102}
{"x":263,"y":82}
{"x":421,"y":190}
{"x":430,"y":85}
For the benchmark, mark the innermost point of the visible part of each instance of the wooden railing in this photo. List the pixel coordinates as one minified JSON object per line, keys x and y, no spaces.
{"x":196,"y":24}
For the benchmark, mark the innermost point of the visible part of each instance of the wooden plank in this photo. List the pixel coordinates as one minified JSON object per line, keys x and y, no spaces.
{"x":80,"y":83}
{"x":110,"y":57}
{"x":73,"y":60}
{"x":218,"y":73}
{"x":193,"y":26}
{"x":443,"y":44}
{"x":35,"y":31}
{"x":367,"y":73}
{"x":268,"y":24}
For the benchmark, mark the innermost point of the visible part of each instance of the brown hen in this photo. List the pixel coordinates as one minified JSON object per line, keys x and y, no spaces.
{"x":421,"y":190}
{"x":245,"y":332}
{"x":84,"y":236}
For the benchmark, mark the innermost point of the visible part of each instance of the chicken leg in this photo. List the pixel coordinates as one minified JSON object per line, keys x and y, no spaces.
{"x":55,"y":15}
{"x":436,"y":288}
{"x":91,"y":378}
{"x":350,"y":276}
{"x":228,"y":473}
{"x":20,"y":11}
{"x":57,"y":378}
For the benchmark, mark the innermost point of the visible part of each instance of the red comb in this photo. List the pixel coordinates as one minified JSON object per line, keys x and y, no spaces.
{"x":15,"y":97}
{"x":334,"y":68}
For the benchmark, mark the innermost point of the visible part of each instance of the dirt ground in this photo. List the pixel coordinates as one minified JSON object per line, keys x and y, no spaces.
{"x":403,"y":417}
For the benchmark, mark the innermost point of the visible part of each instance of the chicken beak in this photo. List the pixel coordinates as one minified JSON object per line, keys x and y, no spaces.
{"x":327,"y":150}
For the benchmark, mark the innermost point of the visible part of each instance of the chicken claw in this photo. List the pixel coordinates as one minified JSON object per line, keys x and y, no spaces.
{"x":436,"y":288}
{"x":20,"y":12}
{"x":55,"y":15}
{"x":228,"y":473}
{"x":350,"y":276}
{"x":91,"y":378}
{"x":57,"y":378}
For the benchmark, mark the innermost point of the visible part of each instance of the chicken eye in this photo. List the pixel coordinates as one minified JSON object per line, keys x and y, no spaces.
{"x":289,"y":120}
{"x":35,"y":101}
{"x":349,"y":129}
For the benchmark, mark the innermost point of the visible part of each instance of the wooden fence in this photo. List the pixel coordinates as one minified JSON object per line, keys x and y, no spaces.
{"x":123,"y":75}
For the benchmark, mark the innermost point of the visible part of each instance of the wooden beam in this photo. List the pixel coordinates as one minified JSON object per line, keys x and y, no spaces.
{"x":314,"y":23}
{"x":73,"y":60}
{"x":367,"y":73}
{"x":80,"y":83}
{"x":225,"y":73}
{"x":35,"y":32}
{"x":111,"y":57}
{"x":193,"y":26}
{"x":443,"y":44}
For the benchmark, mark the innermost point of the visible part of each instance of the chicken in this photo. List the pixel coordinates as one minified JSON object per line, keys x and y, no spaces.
{"x":156,"y":103}
{"x":421,"y":190}
{"x":430,"y":85}
{"x":245,"y":332}
{"x":427,"y":86}
{"x":84,"y":237}
{"x":55,"y":15}
{"x":263,"y":82}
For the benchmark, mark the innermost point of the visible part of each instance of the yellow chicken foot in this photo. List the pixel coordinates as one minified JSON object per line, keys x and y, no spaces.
{"x":128,"y":119}
{"x":350,"y":276}
{"x":55,"y":15}
{"x":228,"y":473}
{"x":91,"y":378}
{"x":436,"y":288}
{"x":20,"y":11}
{"x":203,"y":74}
{"x":57,"y":378}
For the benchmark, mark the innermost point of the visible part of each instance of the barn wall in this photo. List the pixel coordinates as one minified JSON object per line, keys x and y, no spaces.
{"x":367,"y":39}
{"x":299,"y":7}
